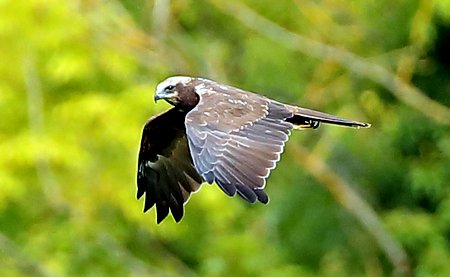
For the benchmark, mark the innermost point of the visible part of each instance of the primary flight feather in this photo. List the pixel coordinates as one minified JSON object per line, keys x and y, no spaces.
{"x":215,"y":133}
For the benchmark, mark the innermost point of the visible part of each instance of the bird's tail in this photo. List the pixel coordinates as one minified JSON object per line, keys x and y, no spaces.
{"x":307,"y":119}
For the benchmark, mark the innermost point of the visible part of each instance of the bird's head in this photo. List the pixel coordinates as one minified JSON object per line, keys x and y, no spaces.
{"x":178,"y":91}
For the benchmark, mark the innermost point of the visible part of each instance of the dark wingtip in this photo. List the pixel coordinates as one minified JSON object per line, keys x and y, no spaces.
{"x":162,"y":210}
{"x":177,"y":209}
{"x":178,"y":215}
{"x":229,"y":189}
{"x":262,"y":196}
{"x":139,"y":193}
{"x":146,"y":207}
{"x":160,"y":217}
{"x":247,"y":193}
{"x":148,"y":203}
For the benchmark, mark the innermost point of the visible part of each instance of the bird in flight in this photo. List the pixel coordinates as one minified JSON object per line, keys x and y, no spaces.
{"x":215,"y":133}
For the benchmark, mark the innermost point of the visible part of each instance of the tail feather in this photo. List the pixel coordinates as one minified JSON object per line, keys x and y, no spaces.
{"x":305,"y":118}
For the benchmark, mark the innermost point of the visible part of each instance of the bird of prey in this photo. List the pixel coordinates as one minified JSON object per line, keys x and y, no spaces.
{"x":215,"y":133}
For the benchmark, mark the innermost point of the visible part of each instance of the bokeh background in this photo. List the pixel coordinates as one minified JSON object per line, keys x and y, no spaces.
{"x":76,"y":86}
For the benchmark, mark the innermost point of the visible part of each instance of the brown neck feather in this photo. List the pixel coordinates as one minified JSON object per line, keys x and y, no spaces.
{"x":188,"y":98}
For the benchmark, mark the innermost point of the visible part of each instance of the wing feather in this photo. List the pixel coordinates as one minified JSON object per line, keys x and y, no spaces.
{"x":236,"y":138}
{"x":166,"y":175}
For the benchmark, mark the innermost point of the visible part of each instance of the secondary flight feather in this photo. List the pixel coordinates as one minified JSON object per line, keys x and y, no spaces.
{"x":219,"y":134}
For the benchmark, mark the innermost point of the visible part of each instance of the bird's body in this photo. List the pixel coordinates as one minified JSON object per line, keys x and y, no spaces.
{"x":215,"y":133}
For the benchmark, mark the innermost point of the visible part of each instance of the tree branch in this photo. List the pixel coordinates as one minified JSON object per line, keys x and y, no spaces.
{"x":36,"y":123}
{"x":349,"y":198}
{"x":27,"y":266}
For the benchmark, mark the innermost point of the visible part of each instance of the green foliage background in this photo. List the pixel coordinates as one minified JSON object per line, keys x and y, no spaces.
{"x":76,"y":85}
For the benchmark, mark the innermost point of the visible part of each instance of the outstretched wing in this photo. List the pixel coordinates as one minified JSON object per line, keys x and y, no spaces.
{"x":236,"y":138}
{"x":166,"y":174}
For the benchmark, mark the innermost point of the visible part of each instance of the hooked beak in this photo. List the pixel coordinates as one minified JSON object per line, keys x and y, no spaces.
{"x":165,"y":95}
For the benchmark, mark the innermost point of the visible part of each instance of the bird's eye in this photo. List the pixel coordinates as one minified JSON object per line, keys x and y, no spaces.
{"x":170,"y":87}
